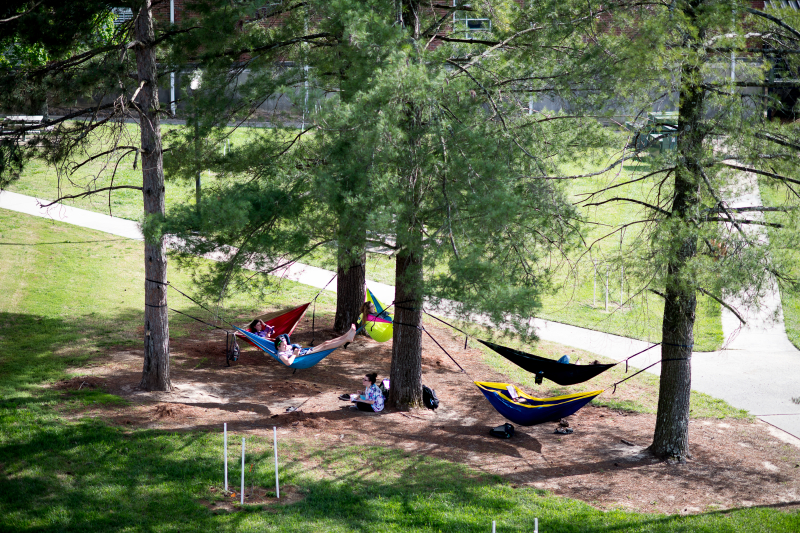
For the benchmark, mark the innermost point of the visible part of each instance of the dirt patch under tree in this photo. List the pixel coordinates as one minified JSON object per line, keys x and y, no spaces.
{"x":735,"y":463}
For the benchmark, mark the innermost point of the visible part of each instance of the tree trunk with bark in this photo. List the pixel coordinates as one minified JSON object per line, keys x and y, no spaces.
{"x":406,"y":372}
{"x":671,"y":436}
{"x":155,"y":374}
{"x":350,"y":281}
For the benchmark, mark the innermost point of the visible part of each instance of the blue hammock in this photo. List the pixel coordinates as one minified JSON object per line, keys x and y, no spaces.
{"x":526,"y":410}
{"x":305,"y":361}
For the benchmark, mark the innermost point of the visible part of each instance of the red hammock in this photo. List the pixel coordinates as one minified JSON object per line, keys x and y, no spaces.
{"x":284,"y":323}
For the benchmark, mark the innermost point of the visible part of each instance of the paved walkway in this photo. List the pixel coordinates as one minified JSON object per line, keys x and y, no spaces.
{"x":759,"y":369}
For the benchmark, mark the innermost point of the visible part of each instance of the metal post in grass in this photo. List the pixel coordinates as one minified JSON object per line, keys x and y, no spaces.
{"x":225,"y":453}
{"x":275,"y":445}
{"x":242,"y":494}
{"x":535,"y":525}
{"x":494,"y":530}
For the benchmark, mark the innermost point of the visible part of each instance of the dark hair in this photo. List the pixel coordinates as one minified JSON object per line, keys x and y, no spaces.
{"x":283,"y":337}
{"x":372,"y":377}
{"x":252,"y":326}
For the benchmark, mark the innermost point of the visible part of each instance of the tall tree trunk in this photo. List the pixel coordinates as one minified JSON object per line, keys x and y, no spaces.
{"x":155,"y":374}
{"x":351,"y":277}
{"x":671,"y":436}
{"x":406,"y":372}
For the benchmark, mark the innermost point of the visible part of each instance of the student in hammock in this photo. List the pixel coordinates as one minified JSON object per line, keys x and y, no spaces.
{"x":288,"y":352}
{"x":260,"y":328}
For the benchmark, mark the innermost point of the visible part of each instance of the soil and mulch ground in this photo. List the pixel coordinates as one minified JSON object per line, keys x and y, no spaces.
{"x":735,"y":463}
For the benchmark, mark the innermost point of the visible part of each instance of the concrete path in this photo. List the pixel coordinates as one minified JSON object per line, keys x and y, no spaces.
{"x":759,"y":369}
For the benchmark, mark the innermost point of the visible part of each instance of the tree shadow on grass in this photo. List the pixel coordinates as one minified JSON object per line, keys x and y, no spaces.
{"x":39,"y":349}
{"x":88,"y":476}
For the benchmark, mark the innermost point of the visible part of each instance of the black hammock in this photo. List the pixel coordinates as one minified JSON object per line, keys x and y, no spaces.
{"x":561,"y":373}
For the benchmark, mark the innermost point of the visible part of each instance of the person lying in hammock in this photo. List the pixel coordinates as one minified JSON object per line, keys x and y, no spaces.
{"x":288,"y":352}
{"x":260,"y":328}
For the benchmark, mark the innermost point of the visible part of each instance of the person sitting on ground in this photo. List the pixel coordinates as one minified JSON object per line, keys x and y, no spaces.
{"x":260,"y":328}
{"x":372,"y":399}
{"x":288,"y":352}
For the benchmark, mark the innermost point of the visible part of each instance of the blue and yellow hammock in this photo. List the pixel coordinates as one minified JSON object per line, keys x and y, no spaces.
{"x":378,"y":326}
{"x":526,"y":410}
{"x":305,"y":361}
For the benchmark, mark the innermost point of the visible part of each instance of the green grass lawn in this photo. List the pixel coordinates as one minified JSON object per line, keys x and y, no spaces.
{"x":64,"y":305}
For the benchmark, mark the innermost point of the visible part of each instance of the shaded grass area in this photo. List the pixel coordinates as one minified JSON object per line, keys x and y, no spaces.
{"x":86,"y":476}
{"x":66,"y":306}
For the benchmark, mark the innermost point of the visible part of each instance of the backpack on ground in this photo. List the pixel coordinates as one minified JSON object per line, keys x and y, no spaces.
{"x":429,"y":398}
{"x":506,"y":431}
{"x":231,"y":349}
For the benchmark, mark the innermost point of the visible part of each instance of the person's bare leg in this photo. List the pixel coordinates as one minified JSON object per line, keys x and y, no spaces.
{"x":335,"y":343}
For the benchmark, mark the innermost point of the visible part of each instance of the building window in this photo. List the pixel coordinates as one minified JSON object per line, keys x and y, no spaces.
{"x":467,"y":24}
{"x":123,"y":15}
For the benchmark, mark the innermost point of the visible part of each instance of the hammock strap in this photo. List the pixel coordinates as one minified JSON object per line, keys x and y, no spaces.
{"x":645,"y":368}
{"x":201,"y":321}
{"x":634,"y":355}
{"x":466,"y":335}
{"x":447,"y":354}
{"x":678,"y":345}
{"x":409,"y":325}
{"x":158,"y":282}
{"x":198,"y":303}
{"x":314,"y":311}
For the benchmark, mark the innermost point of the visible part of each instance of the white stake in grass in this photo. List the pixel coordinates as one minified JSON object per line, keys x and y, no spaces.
{"x":493,"y":527}
{"x":535,"y":525}
{"x":242,"y":495}
{"x":275,"y":445}
{"x":225,"y":454}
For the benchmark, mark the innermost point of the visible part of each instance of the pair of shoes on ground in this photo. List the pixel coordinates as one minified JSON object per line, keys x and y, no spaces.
{"x":563,"y":431}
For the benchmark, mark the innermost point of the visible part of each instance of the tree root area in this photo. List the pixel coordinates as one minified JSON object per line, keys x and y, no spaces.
{"x":604,"y":462}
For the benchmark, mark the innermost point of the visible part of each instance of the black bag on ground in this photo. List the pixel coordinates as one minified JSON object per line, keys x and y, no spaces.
{"x":506,"y":431}
{"x":429,"y":398}
{"x":231,"y":348}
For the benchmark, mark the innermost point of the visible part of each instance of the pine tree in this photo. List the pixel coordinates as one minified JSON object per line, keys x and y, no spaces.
{"x":627,"y":59}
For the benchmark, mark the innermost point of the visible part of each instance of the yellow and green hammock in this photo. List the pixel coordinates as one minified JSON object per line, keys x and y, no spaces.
{"x":378,"y":326}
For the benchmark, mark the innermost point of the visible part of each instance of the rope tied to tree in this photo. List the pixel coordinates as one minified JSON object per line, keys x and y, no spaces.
{"x":447,"y":354}
{"x":645,"y":368}
{"x":314,"y":311}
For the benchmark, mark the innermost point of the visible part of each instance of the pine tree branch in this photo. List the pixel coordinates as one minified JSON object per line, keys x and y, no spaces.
{"x":101,"y":154}
{"x":753,"y":209}
{"x":774,"y":19}
{"x":9,"y":19}
{"x":470,"y":41}
{"x":740,"y":221}
{"x":632,"y":200}
{"x":726,"y":306}
{"x":762,"y":173}
{"x":772,"y":138}
{"x":272,"y":46}
{"x":721,"y":204}
{"x":590,"y":195}
{"x":89,"y":193}
{"x":591,"y":174}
